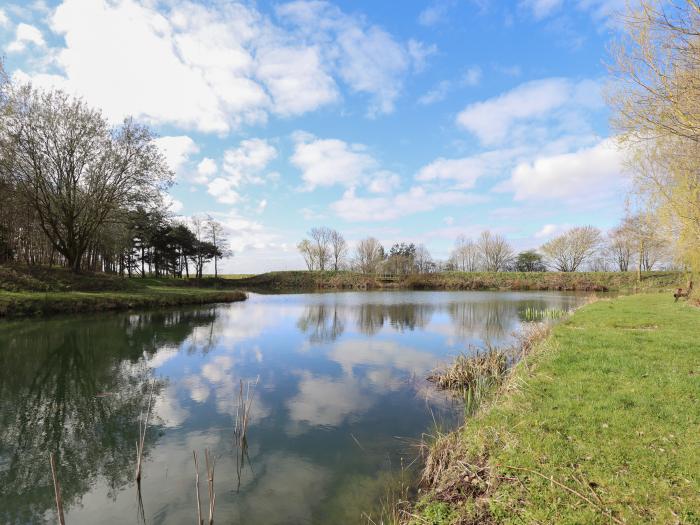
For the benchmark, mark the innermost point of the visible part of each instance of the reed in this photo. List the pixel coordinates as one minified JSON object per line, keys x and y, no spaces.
{"x":471,"y":370}
{"x":542,"y":314}
{"x":209,"y":464}
{"x":57,"y":491}
{"x":240,"y":430}
{"x":143,"y":427}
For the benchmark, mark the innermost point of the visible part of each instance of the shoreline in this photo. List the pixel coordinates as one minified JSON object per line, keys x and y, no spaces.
{"x":14,"y":305}
{"x":563,"y":417}
{"x":513,"y":281}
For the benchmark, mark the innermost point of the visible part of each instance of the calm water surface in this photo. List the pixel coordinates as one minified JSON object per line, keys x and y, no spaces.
{"x":340,"y":396}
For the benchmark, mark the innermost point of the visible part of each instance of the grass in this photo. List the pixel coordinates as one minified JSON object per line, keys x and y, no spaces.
{"x":34,"y":291}
{"x":599,"y":424}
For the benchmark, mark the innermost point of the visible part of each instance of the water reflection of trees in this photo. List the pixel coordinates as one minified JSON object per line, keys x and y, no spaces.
{"x":402,"y":316}
{"x":322,"y":322}
{"x":325,"y":322}
{"x":75,"y":388}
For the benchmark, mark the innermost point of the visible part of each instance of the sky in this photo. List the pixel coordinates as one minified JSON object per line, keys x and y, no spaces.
{"x":410,"y":121}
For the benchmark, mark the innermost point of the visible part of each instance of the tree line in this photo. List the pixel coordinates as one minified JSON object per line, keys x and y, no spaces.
{"x":79,"y":192}
{"x":630,"y":245}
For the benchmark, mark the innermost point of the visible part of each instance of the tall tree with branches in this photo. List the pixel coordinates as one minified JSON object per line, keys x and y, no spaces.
{"x":73,"y":168}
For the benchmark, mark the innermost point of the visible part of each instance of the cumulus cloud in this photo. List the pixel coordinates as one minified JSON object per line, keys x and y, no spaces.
{"x":327,"y":162}
{"x":366,"y":57}
{"x":417,"y":199}
{"x":464,"y":172}
{"x":25,"y":35}
{"x":4,"y":19}
{"x":241,"y":165}
{"x":177,"y":150}
{"x":531,"y":103}
{"x":214,"y":67}
{"x":588,"y":172}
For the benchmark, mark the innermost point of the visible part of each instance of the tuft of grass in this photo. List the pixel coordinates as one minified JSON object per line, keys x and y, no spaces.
{"x":598,"y":424}
{"x":468,"y":370}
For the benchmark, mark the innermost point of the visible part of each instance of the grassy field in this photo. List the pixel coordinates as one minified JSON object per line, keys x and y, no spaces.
{"x":41,"y":291}
{"x":581,"y":281}
{"x":600,"y":425}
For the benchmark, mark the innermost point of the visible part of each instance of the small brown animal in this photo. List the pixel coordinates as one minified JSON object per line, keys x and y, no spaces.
{"x":683,"y":293}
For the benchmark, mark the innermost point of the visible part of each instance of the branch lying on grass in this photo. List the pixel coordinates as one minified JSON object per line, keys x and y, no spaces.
{"x":551,"y":479}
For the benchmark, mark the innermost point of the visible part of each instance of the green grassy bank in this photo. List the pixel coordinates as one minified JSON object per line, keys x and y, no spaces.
{"x":600,"y":424}
{"x":581,"y":281}
{"x":33,"y":291}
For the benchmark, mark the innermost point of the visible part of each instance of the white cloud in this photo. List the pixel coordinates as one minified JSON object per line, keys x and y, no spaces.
{"x":241,"y":165}
{"x":417,"y":199}
{"x":585,"y":174}
{"x":25,"y":34}
{"x":383,"y":182}
{"x":173,"y":204}
{"x":177,"y":150}
{"x":367,"y":58}
{"x":472,"y":76}
{"x":541,"y":8}
{"x":327,"y":162}
{"x":205,"y":169}
{"x":434,"y":13}
{"x":465,"y":171}
{"x":4,"y":20}
{"x":495,"y":119}
{"x":214,"y":67}
{"x":549,"y":230}
{"x":437,"y":93}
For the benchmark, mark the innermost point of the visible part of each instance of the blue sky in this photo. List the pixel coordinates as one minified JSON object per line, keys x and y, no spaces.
{"x":409,"y":121}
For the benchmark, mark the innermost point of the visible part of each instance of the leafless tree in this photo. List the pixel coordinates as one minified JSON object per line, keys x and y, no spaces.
{"x":620,"y":246}
{"x":494,"y":251}
{"x":339,"y":249}
{"x":308,"y":253}
{"x":369,"y":255}
{"x":568,"y":251}
{"x":465,"y":255}
{"x":216,"y":234}
{"x":321,"y":240}
{"x":72,"y":168}
{"x":423,"y":261}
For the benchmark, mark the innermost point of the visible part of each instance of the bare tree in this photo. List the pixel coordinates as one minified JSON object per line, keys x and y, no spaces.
{"x":339,"y":249}
{"x":494,"y":251}
{"x":423,"y":261}
{"x":465,"y":255}
{"x":72,"y":168}
{"x":620,"y":246}
{"x":568,"y":251}
{"x":308,"y":253}
{"x":216,"y":234}
{"x":647,"y":242}
{"x":369,"y":255}
{"x":321,"y":240}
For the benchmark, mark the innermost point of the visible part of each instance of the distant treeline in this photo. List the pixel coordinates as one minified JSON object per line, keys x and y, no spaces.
{"x":634,"y":244}
{"x":79,"y":192}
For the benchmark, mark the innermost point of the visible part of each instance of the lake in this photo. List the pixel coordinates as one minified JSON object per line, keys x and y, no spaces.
{"x":335,"y":383}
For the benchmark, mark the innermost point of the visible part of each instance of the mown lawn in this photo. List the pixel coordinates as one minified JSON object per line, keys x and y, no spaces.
{"x":609,"y":408}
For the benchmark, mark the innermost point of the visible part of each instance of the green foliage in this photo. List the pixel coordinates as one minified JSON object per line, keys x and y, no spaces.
{"x":529,"y":261}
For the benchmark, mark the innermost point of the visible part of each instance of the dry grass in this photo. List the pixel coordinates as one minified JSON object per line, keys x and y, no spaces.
{"x":467,"y":370}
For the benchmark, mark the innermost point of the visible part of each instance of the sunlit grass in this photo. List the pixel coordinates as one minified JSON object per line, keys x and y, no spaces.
{"x":599,"y":426}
